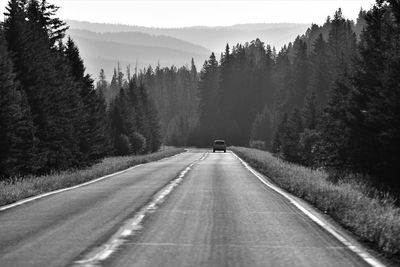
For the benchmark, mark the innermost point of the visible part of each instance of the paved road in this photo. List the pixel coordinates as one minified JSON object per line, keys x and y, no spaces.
{"x":219,"y":215}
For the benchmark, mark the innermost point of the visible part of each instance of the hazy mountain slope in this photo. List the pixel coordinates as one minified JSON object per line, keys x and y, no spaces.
{"x":139,"y":38}
{"x":213,"y":38}
{"x":99,"y":54}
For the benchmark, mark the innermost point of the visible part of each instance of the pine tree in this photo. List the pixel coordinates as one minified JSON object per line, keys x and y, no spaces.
{"x":93,"y":124}
{"x":291,"y":137}
{"x":120,"y":76}
{"x":136,"y":116}
{"x":120,"y":125}
{"x":320,"y":79}
{"x":226,"y":93}
{"x":209,"y":95}
{"x":102,"y":84}
{"x":310,"y":111}
{"x":334,"y":148}
{"x":193,"y":113}
{"x":341,"y":46}
{"x":300,"y":75}
{"x":17,"y":140}
{"x":151,"y":127}
{"x":113,"y":89}
{"x":282,"y":78}
{"x":278,"y":135}
{"x":360,"y":24}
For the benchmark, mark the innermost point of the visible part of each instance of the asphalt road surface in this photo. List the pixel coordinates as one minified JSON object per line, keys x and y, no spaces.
{"x":217,"y":214}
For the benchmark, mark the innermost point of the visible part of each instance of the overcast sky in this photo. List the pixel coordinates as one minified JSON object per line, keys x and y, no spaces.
{"x":182,"y":13}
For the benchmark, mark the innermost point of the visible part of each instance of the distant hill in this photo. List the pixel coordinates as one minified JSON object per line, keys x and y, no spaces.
{"x":102,"y":45}
{"x":139,"y":38}
{"x":99,"y":54}
{"x":213,"y":38}
{"x":105,"y":50}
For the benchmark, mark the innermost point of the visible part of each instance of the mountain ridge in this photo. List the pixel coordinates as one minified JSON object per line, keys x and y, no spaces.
{"x":101,"y":43}
{"x":107,"y":54}
{"x":212,"y":38}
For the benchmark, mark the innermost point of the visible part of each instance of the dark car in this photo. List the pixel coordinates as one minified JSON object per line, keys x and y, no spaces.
{"x":219,"y":145}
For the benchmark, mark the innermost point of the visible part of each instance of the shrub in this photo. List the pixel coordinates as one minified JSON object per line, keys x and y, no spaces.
{"x":122,"y":145}
{"x":138,"y":143}
{"x":308,"y":142}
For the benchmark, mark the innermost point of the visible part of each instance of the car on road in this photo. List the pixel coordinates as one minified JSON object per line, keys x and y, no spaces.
{"x":219,"y":145}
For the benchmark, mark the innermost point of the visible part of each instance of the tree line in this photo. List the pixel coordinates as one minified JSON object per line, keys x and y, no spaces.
{"x":51,"y":116}
{"x":173,"y":92}
{"x":329,"y":99}
{"x":134,"y":119}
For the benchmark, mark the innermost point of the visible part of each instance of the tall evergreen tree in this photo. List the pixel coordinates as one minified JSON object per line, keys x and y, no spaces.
{"x":291,"y":137}
{"x":120,"y":124}
{"x":150,"y":127}
{"x":334,"y":147}
{"x":102,"y":84}
{"x":320,"y":79}
{"x":341,"y":45}
{"x":209,"y":95}
{"x":278,"y":136}
{"x":310,"y":111}
{"x":17,"y":132}
{"x":94,"y":139}
{"x":300,"y":75}
{"x":282,"y":78}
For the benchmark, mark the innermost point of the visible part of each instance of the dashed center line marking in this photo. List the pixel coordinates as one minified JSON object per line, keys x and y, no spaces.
{"x":132,"y":226}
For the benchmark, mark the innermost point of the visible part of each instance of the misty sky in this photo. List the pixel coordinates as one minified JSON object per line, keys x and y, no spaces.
{"x":181,"y":13}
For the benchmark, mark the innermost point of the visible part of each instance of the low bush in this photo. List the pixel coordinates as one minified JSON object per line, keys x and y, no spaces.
{"x":138,"y":143}
{"x":122,"y":145}
{"x":370,"y":214}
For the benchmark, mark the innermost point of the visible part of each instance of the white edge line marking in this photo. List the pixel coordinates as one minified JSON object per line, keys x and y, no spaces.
{"x":131,"y":226}
{"x":359,"y":251}
{"x":29,"y":199}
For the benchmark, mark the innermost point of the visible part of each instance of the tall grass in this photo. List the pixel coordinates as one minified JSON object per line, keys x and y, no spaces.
{"x":23,"y":187}
{"x":371,"y":215}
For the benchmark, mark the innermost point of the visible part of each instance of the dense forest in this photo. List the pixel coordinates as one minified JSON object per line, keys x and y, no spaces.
{"x":329,"y":99}
{"x":244,"y":96}
{"x":51,"y":116}
{"x":175,"y":93}
{"x":171,"y":91}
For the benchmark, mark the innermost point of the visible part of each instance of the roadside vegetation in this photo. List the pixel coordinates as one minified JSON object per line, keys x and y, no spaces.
{"x":370,"y":214}
{"x":15,"y":189}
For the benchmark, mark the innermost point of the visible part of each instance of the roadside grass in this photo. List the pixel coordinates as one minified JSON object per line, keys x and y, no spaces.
{"x":369,"y":214}
{"x":16,"y":189}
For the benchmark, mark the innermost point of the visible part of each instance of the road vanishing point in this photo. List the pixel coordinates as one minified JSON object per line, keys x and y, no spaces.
{"x":194,"y":209}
